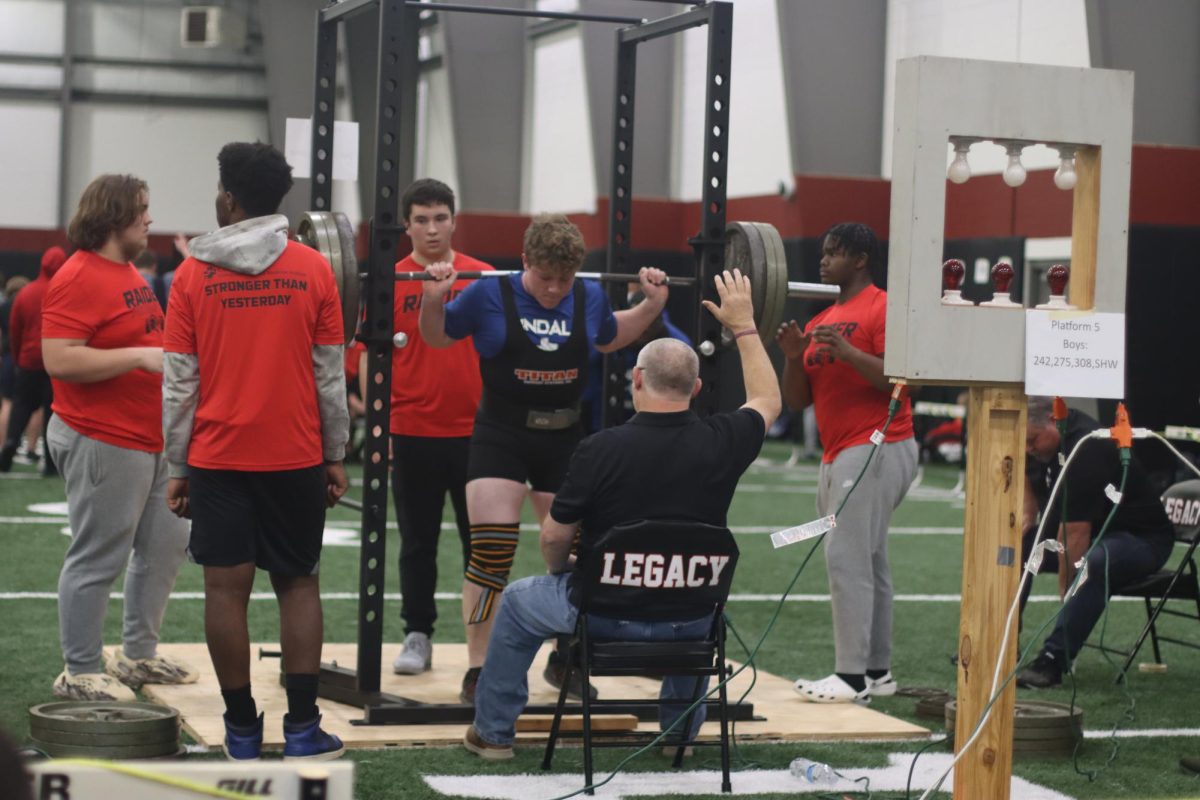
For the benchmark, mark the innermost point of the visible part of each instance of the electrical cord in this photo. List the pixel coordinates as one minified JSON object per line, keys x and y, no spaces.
{"x":878,"y":439}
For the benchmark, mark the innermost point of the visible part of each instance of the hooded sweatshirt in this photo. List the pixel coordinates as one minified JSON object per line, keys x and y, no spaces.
{"x":25,"y":321}
{"x":252,"y":366}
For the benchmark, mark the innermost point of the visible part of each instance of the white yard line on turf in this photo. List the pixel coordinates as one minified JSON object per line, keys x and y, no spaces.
{"x":733,"y":598}
{"x":892,"y":778}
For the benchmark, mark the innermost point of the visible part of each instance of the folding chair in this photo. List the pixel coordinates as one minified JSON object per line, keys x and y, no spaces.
{"x":1182,"y":582}
{"x":652,"y":570}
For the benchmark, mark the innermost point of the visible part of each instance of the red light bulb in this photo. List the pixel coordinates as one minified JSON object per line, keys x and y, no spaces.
{"x":1057,"y":276}
{"x":1002,"y":276}
{"x":952,"y":274}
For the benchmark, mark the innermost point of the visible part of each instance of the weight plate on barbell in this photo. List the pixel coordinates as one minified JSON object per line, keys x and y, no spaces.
{"x":332,"y":235}
{"x":774,"y":279}
{"x":756,"y":249}
{"x":134,"y":738}
{"x":99,"y":718}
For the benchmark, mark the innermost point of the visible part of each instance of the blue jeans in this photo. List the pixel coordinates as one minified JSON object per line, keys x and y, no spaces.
{"x":1129,"y":558}
{"x":536,"y":608}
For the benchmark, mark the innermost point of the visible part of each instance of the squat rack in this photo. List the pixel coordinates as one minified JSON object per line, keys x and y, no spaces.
{"x":398,"y":25}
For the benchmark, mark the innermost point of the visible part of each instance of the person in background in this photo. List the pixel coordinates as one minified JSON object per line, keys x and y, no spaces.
{"x":32,"y":392}
{"x":835,"y":364}
{"x":256,"y":434}
{"x":102,"y":332}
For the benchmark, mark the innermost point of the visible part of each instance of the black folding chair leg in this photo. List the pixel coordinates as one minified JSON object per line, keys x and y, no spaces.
{"x":557,"y":722}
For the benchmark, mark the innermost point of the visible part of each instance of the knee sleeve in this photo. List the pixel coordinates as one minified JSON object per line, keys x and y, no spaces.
{"x":493,"y":547}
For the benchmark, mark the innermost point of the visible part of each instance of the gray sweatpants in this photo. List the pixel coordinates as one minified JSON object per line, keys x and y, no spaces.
{"x":116,"y":501}
{"x":856,"y":551}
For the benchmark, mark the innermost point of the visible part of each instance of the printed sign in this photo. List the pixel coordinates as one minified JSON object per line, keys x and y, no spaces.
{"x":1074,"y":354}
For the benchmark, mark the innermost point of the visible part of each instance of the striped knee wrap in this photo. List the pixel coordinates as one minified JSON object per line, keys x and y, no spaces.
{"x":493,"y":547}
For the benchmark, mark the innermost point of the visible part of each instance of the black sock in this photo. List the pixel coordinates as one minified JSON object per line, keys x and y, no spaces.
{"x":301,"y":697}
{"x":857,"y":682}
{"x":239,"y":706}
{"x":876,"y":674}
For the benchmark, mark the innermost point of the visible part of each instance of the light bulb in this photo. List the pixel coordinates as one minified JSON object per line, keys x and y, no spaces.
{"x":1014,"y":173}
{"x":960,"y":168}
{"x":1065,"y":177}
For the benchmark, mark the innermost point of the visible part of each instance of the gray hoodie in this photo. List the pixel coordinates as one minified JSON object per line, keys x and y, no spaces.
{"x":248,"y":247}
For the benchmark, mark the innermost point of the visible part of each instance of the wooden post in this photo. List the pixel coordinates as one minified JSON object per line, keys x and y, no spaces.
{"x":1085,"y":226}
{"x":991,"y":570}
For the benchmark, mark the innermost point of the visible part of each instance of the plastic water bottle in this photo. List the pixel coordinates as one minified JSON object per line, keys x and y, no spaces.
{"x":813,"y":772}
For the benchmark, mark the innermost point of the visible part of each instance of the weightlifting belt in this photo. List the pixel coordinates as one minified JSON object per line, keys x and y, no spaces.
{"x":535,"y":419}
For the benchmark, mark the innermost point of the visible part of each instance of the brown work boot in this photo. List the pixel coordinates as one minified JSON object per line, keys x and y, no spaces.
{"x":555,"y":673}
{"x":485,"y":749}
{"x":470,"y":681}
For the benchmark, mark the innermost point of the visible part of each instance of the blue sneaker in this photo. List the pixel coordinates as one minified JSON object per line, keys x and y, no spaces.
{"x":307,"y":742}
{"x":243,"y":742}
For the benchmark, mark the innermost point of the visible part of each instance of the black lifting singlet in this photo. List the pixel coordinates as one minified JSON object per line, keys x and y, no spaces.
{"x":525,"y":377}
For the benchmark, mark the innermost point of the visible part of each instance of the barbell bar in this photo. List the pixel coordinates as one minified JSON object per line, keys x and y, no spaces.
{"x":796,"y":289}
{"x":755,"y":248}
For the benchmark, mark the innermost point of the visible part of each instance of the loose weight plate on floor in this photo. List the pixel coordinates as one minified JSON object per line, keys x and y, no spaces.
{"x":100,"y":729}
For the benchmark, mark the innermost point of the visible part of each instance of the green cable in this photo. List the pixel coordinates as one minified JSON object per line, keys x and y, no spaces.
{"x":893,"y":408}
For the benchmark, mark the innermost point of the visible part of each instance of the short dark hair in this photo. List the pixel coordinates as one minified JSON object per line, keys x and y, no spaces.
{"x":110,"y":203}
{"x":853,"y":239}
{"x":426,"y":192}
{"x":256,"y":174}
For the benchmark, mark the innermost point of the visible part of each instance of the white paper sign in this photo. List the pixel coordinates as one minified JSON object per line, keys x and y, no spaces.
{"x":1074,"y":354}
{"x":297,"y":148}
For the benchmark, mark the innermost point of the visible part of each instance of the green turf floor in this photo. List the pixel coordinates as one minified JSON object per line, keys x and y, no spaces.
{"x":926,"y":566}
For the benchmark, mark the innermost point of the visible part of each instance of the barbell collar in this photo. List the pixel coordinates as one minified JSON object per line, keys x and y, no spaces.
{"x":606,"y":277}
{"x":812,"y":291}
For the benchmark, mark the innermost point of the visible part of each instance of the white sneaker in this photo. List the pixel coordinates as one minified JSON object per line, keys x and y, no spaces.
{"x":92,"y":686}
{"x":883,"y":686}
{"x":416,"y":657}
{"x":831,"y":689}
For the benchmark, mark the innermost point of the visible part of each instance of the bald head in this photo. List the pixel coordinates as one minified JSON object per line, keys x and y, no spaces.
{"x":669,"y":369}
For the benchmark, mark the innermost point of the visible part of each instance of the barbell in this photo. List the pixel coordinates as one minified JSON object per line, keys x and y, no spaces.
{"x":755,"y":248}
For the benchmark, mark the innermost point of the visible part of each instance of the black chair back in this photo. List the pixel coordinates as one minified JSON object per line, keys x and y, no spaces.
{"x":658,"y":570}
{"x":1182,"y":503}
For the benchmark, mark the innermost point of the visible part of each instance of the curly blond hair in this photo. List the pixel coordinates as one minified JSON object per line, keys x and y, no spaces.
{"x":554,"y":243}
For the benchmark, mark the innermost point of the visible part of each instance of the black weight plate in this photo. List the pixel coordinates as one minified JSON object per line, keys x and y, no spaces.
{"x":920,"y":692}
{"x":774,"y":278}
{"x":109,"y":752}
{"x":101,"y":718}
{"x":145,"y":737}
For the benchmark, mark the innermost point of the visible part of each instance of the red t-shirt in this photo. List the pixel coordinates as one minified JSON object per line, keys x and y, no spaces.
{"x":108,"y":305}
{"x":435,"y":392}
{"x":253,"y":336}
{"x":848,"y":408}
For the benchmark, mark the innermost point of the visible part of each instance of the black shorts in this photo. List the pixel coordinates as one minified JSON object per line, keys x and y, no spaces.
{"x":519,"y":454}
{"x":274,"y":519}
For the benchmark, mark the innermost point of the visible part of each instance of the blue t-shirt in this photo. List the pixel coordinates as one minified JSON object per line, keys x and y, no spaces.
{"x":479,"y":312}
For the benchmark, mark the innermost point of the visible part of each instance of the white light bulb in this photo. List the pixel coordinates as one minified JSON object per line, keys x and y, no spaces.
{"x":1014,"y":173}
{"x":1065,"y":177}
{"x":960,"y":168}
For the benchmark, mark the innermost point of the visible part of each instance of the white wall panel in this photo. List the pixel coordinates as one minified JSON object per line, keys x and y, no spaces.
{"x":435,"y":130}
{"x":1028,"y":31}
{"x":560,"y":173}
{"x":29,"y":163}
{"x":759,"y":148}
{"x":31,"y":26}
{"x":174,"y":150}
